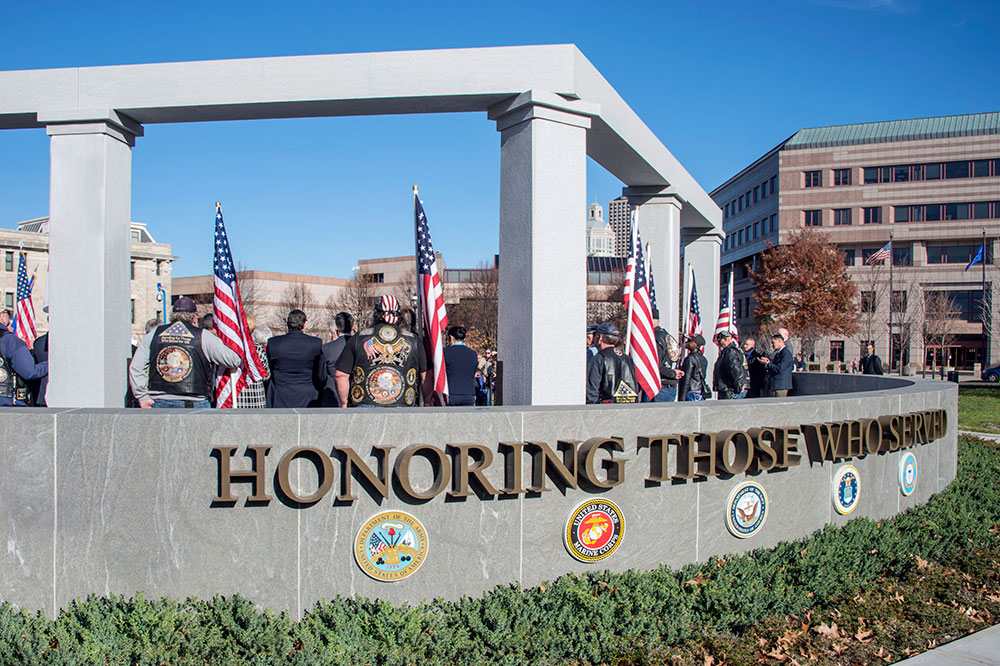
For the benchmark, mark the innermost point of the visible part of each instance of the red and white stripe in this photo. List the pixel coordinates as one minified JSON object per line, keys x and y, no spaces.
{"x":641,"y":342}
{"x":725,"y":321}
{"x":435,"y":326}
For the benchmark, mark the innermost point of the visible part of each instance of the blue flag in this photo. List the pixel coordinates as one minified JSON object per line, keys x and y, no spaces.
{"x":976,"y":259}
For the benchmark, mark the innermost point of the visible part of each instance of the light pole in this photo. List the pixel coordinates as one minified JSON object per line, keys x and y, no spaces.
{"x":162,"y":297}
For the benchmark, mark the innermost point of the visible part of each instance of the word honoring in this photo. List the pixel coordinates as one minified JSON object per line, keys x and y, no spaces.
{"x":460,"y":470}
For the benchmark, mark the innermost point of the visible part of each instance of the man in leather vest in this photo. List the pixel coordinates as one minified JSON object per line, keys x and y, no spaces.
{"x":382,"y":366}
{"x":17,"y":368}
{"x":610,"y":373}
{"x":172,"y":365}
{"x":730,"y":375}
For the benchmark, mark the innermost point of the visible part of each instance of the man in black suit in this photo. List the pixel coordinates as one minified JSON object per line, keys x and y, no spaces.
{"x":40,"y":350}
{"x":461,"y":364}
{"x":340,"y":333}
{"x":871,"y":364}
{"x":779,"y":367}
{"x":295,"y":359}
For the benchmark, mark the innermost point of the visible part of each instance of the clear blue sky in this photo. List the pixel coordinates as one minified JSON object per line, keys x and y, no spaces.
{"x":720,"y":83}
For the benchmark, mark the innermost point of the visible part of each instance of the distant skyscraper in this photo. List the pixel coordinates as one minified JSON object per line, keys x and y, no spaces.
{"x":619,"y":217}
{"x":600,"y":235}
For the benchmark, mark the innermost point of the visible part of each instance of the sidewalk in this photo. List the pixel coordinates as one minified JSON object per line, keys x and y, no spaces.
{"x":982,"y":647}
{"x":983,"y":435}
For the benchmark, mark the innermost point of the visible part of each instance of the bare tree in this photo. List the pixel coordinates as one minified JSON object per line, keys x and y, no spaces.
{"x":249,"y":291}
{"x":873,"y":284}
{"x":357,"y":298}
{"x":476,"y":308}
{"x":907,"y":314}
{"x":940,"y":325}
{"x":298,"y":296}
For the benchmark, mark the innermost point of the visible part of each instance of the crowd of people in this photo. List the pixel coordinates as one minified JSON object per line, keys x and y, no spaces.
{"x":383,"y":365}
{"x":746,"y":372}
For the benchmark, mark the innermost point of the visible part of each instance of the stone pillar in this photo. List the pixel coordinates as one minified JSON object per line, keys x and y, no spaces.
{"x":702,"y":250}
{"x":659,"y":215}
{"x":543,"y":273}
{"x":89,"y":248}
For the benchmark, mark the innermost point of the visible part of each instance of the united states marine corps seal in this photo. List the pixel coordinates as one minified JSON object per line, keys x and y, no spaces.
{"x":908,"y":473}
{"x":746,"y":509}
{"x":846,"y":489}
{"x":391,"y":546}
{"x":594,"y":530}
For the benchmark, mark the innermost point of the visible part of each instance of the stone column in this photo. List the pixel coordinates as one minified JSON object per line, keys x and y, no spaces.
{"x":659,"y":215}
{"x":89,"y":248}
{"x":543,"y":272}
{"x":702,"y":250}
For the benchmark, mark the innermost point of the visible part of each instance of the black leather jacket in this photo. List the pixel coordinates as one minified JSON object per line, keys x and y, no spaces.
{"x":694,"y":366}
{"x":606,"y":372}
{"x":668,"y":375}
{"x":729,"y":377}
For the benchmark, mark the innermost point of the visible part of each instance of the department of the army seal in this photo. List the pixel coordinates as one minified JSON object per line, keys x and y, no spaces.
{"x":594,"y":530}
{"x":746,"y":509}
{"x":846,"y":489}
{"x":173,"y":364}
{"x":385,"y":384}
{"x":391,"y":546}
{"x":908,"y":473}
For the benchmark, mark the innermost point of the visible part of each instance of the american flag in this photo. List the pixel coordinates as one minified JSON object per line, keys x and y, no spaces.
{"x":694,"y":312}
{"x":435,"y":318}
{"x":652,"y":287}
{"x":24,"y":314}
{"x":231,"y":323}
{"x":725,"y":321}
{"x":630,"y":267}
{"x":642,"y":343}
{"x":881,"y":255}
{"x":375,"y":544}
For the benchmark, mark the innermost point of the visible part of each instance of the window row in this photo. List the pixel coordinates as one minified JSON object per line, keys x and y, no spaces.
{"x":942,"y":253}
{"x":842,"y":216}
{"x":904,"y":173}
{"x":750,"y":232}
{"x":977,"y":210}
{"x":758,"y":193}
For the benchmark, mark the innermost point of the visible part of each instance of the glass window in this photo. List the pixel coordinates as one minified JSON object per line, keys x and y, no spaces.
{"x":756,"y":229}
{"x":901,"y":214}
{"x":836,"y":351}
{"x":8,"y":261}
{"x":135,"y":236}
{"x":756,"y":194}
{"x":774,"y":184}
{"x":917,"y":172}
{"x":9,"y":300}
{"x":741,"y":202}
{"x":748,"y":198}
{"x":902,"y":255}
{"x":842,"y":216}
{"x":841,"y":176}
{"x":981,"y":168}
{"x":873,"y":215}
{"x":898,"y":302}
{"x":871,"y":175}
{"x":849,"y":257}
{"x":956,"y":211}
{"x":740,"y":237}
{"x":131,"y":272}
{"x":763,"y":190}
{"x":932,"y":171}
{"x":996,"y":167}
{"x":932,"y":212}
{"x":774,"y":220}
{"x":133,"y":311}
{"x":813,"y":218}
{"x":916,"y":213}
{"x":885,"y":174}
{"x":956,"y":169}
{"x":901,"y":174}
{"x":868,"y":301}
{"x":813,"y":178}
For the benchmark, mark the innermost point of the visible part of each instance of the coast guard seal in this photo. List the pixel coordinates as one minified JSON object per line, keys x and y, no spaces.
{"x":846,"y":489}
{"x":746,"y":509}
{"x":594,"y":530}
{"x":908,"y":473}
{"x":391,"y":546}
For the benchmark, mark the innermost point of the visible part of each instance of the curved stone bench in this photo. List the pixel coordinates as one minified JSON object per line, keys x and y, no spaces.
{"x":126,"y":500}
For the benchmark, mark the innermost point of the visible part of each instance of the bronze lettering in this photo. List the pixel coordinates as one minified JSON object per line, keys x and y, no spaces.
{"x":872,"y":435}
{"x":919,"y":434}
{"x":545,"y":462}
{"x":740,"y":445}
{"x":851,"y":432}
{"x":820,"y":441}
{"x":255,"y":476}
{"x":696,"y":456}
{"x":658,"y":447}
{"x":788,"y":446}
{"x":890,"y":427}
{"x":908,"y":439}
{"x":615,"y":466}
{"x":513,"y":475}
{"x":461,"y":454}
{"x":942,"y":423}
{"x":765,"y":457}
{"x":353,"y":463}
{"x":440,"y":466}
{"x":324,"y":467}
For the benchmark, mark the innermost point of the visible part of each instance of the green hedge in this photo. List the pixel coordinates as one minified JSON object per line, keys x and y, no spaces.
{"x":594,"y":618}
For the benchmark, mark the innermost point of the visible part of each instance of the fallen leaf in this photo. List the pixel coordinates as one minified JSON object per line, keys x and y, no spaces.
{"x":864,"y":636}
{"x":838,"y":648}
{"x":774,"y":654}
{"x":828,"y":631}
{"x":921,"y":562}
{"x":542,"y":588}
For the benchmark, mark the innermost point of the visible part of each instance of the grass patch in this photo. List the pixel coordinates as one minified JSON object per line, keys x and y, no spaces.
{"x":864,"y":592}
{"x":979,"y":409}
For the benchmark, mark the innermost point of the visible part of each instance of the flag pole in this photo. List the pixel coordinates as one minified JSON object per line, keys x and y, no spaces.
{"x":418,"y":315}
{"x":987,"y":308}
{"x":631,"y":297}
{"x":892,"y":356}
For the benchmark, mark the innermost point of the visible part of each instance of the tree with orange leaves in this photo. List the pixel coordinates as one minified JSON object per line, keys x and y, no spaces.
{"x":803,"y":286}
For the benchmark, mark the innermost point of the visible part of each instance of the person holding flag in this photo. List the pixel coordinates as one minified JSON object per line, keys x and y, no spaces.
{"x":432,"y":318}
{"x":17,"y":368}
{"x":640,"y":339}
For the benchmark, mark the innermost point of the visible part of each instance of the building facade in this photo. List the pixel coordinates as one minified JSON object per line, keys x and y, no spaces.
{"x":149,"y":266}
{"x":600,"y":235}
{"x":620,"y":219}
{"x":931,"y":185}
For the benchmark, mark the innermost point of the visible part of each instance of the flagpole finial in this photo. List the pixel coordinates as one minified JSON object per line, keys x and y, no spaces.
{"x":218,"y":205}
{"x":414,"y":189}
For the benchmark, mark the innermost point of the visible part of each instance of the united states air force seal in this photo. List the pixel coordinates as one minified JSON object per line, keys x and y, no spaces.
{"x":391,"y":546}
{"x":908,"y":473}
{"x":746,"y":509}
{"x":846,"y":489}
{"x":594,"y":530}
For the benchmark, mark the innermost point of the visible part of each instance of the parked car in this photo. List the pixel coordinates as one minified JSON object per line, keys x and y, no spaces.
{"x":991,"y":374}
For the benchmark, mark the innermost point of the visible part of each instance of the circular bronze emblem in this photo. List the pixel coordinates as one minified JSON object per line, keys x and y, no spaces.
{"x":410,"y":396}
{"x":3,"y":374}
{"x":594,"y":530}
{"x":391,"y":546}
{"x":411,"y":376}
{"x":359,"y":376}
{"x":387,"y":333}
{"x":385,"y":385}
{"x":357,"y":395}
{"x":173,"y":364}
